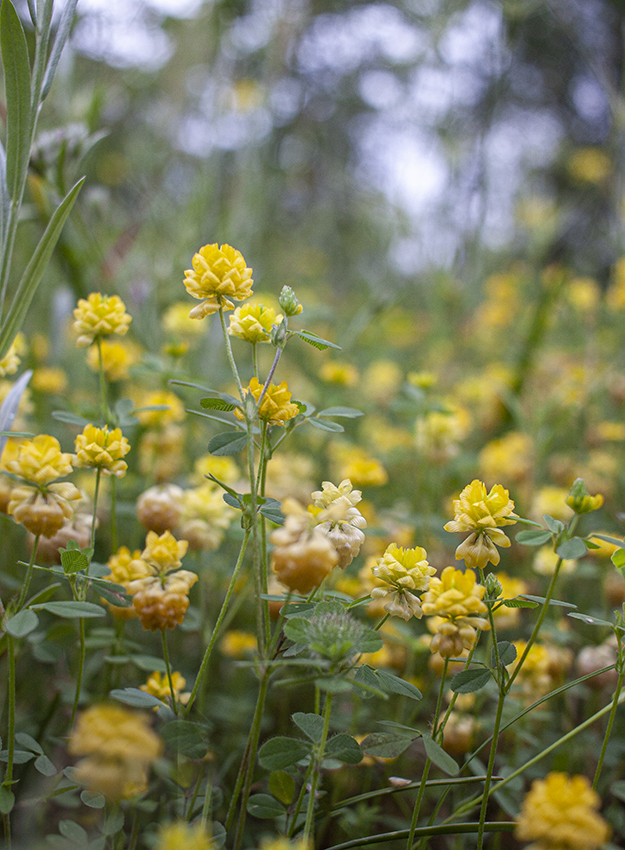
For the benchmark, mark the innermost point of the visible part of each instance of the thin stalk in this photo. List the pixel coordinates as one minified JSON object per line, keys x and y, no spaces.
{"x":207,"y":654}
{"x":439,"y":829}
{"x":491,"y":764}
{"x":134,"y":835}
{"x":246,"y":772}
{"x":300,"y":800}
{"x":206,"y":808}
{"x":114,"y":541}
{"x":174,"y":701}
{"x":428,"y":762}
{"x":103,"y":399}
{"x":8,"y":778}
{"x":274,"y":365}
{"x":229,"y":354}
{"x":493,"y":630}
{"x":256,"y":559}
{"x":96,"y":493}
{"x":316,"y":773}
{"x":81,"y":667}
{"x":381,"y":623}
{"x":608,"y":731}
{"x":192,"y":802}
{"x":452,"y":702}
{"x":29,"y":574}
{"x":260,"y":489}
{"x":255,"y":359}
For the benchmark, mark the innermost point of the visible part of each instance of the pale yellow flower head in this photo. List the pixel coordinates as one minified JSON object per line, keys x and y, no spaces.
{"x":117,"y":358}
{"x":560,"y":812}
{"x":223,"y":468}
{"x":454,"y":602}
{"x":184,"y":836}
{"x":238,"y":644}
{"x":405,"y":573}
{"x":125,"y":566}
{"x":43,"y":510}
{"x":158,"y":685}
{"x":11,"y":360}
{"x":218,"y":274}
{"x":302,"y":556}
{"x":339,"y":372}
{"x":119,"y":746}
{"x":335,"y":515}
{"x":331,"y":493}
{"x":160,"y":398}
{"x":482,"y":514}
{"x":161,"y":602}
{"x":99,"y":316}
{"x":361,"y":468}
{"x":41,"y":461}
{"x":253,"y":322}
{"x":510,"y":456}
{"x":49,"y":379}
{"x":176,"y":320}
{"x":164,"y":553}
{"x":276,"y":407}
{"x":204,"y":516}
{"x":102,"y":449}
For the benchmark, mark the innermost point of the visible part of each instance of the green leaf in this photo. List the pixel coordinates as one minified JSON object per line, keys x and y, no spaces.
{"x":135,"y":697}
{"x":618,"y":558}
{"x":365,"y":683}
{"x":282,"y":786}
{"x":469,"y":681}
{"x":73,"y":560}
{"x":62,"y":32}
{"x":439,"y":757}
{"x":115,"y":598}
{"x":7,"y":800}
{"x":278,"y":753}
{"x":572,"y":549}
{"x":93,"y":800}
{"x":36,"y":267}
{"x":70,"y":418}
{"x":335,"y":685}
{"x":345,"y":412}
{"x":552,"y":524}
{"x":618,"y":789}
{"x":518,"y":602}
{"x":218,"y":404}
{"x":113,"y":823}
{"x":387,"y":745}
{"x":16,"y":66}
{"x":74,"y":832}
{"x":227,"y":443}
{"x":371,"y":641}
{"x":149,"y":663}
{"x":19,"y":756}
{"x":272,"y":511}
{"x":343,"y":748}
{"x":264,"y":806}
{"x":190,"y":739}
{"x":22,"y":624}
{"x":394,"y":685}
{"x":326,"y":425}
{"x":607,"y":539}
{"x":73,"y":610}
{"x":310,"y":724}
{"x":45,"y":766}
{"x":28,"y":743}
{"x":541,"y":601}
{"x":592,"y":621}
{"x":533,"y":538}
{"x":507,"y":653}
{"x":297,"y":629}
{"x":317,"y":341}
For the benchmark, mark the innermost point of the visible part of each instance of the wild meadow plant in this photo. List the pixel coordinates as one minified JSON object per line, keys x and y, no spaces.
{"x":207,"y":751}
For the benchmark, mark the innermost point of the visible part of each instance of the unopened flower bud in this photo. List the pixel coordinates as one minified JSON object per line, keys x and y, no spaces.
{"x":289,"y":302}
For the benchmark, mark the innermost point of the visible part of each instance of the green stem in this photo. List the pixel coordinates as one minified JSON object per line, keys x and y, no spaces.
{"x":174,"y":701}
{"x":81,"y":667}
{"x":206,"y":808}
{"x":29,"y":574}
{"x":246,"y":772}
{"x":134,"y":836}
{"x":608,"y":731}
{"x":441,"y":729}
{"x":491,"y":764}
{"x":260,"y":489}
{"x":114,"y":541}
{"x":256,"y":559}
{"x":207,"y":654}
{"x":381,"y":623}
{"x":103,"y":399}
{"x":493,"y":631}
{"x":274,"y":365}
{"x":428,"y":762}
{"x":255,"y":359}
{"x":316,"y":773}
{"x":229,"y":354}
{"x":96,"y":493}
{"x":11,"y":731}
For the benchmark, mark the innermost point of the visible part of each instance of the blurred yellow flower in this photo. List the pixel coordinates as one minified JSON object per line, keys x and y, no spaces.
{"x":119,"y":746}
{"x":552,"y":501}
{"x":176,"y":320}
{"x":589,"y":165}
{"x":302,"y":556}
{"x":184,"y":836}
{"x":545,"y":561}
{"x":102,"y":449}
{"x":253,"y":322}
{"x":158,"y":685}
{"x":560,"y":812}
{"x":583,"y":294}
{"x":218,"y":274}
{"x":223,"y":468}
{"x":339,"y":372}
{"x":117,"y":358}
{"x":238,"y":644}
{"x":509,"y":457}
{"x":99,"y":316}
{"x":423,"y":380}
{"x":615,"y":296}
{"x":438,"y":433}
{"x":174,"y":411}
{"x":360,"y":467}
{"x":11,"y":360}
{"x":382,"y":380}
{"x":161,"y":452}
{"x":49,"y":379}
{"x":204,"y":516}
{"x":507,"y":618}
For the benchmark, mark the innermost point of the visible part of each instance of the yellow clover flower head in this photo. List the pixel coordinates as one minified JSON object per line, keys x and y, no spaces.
{"x":276,"y":407}
{"x":253,"y":322}
{"x":173,"y":408}
{"x":164,"y":553}
{"x":41,"y":461}
{"x":560,"y":813}
{"x":102,"y":449}
{"x":161,"y":602}
{"x":218,"y":274}
{"x":341,"y":522}
{"x":50,"y":380}
{"x":184,"y":836}
{"x":158,"y":685}
{"x":99,"y":315}
{"x":455,"y":601}
{"x":11,"y":360}
{"x":331,"y":493}
{"x":119,"y":747}
{"x":405,"y":572}
{"x":482,"y":514}
{"x":282,"y":843}
{"x":176,"y":321}
{"x":580,"y":499}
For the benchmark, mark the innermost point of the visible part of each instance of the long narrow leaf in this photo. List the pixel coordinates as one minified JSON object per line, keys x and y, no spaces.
{"x":10,"y":405}
{"x":5,"y":200}
{"x":17,"y":85}
{"x":65,"y":24}
{"x":35,"y":269}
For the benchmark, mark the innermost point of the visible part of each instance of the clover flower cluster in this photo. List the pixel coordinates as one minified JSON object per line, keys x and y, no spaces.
{"x":482,"y":514}
{"x":218,"y":274}
{"x":99,"y":316}
{"x":405,"y":572}
{"x":455,"y":602}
